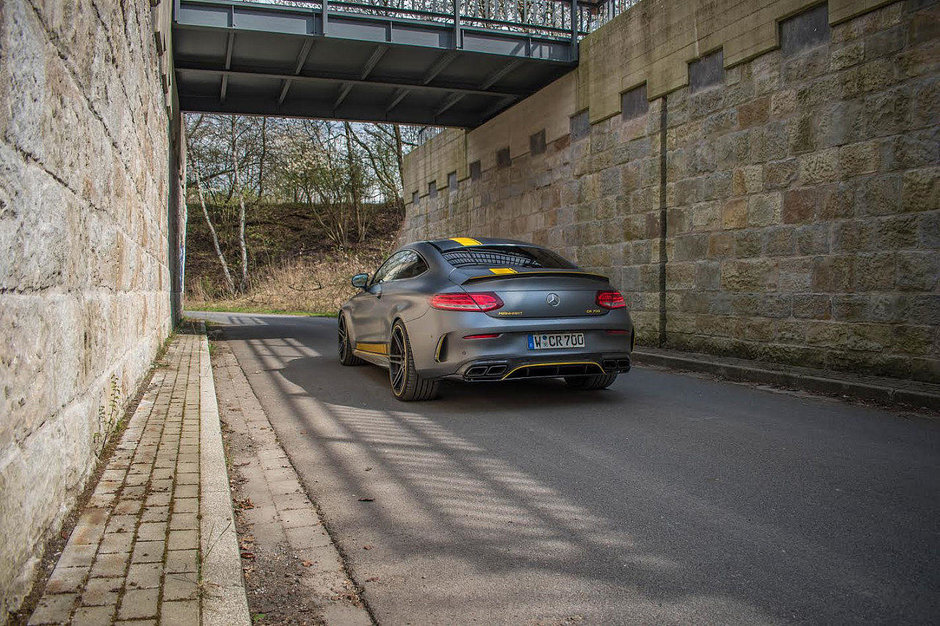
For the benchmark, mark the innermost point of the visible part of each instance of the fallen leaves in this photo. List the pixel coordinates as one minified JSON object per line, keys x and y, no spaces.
{"x":244,"y":504}
{"x":247,"y":547}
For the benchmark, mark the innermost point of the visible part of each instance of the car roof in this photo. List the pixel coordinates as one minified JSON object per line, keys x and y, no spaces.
{"x":454,"y":243}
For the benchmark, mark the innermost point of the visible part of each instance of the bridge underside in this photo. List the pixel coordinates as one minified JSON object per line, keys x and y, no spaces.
{"x":235,"y":57}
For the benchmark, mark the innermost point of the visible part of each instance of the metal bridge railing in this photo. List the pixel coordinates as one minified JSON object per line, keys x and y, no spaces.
{"x":547,"y":18}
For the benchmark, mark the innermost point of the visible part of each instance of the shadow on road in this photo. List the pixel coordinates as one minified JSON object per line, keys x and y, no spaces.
{"x":695,"y":502}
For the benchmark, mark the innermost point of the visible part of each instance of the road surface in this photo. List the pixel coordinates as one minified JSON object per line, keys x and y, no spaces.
{"x":667,"y":498}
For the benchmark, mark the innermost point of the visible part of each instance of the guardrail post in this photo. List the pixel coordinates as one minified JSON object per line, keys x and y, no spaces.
{"x":326,"y":14}
{"x":457,"y":24}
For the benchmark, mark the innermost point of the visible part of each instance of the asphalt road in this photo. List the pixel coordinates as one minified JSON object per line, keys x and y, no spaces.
{"x":667,"y":498}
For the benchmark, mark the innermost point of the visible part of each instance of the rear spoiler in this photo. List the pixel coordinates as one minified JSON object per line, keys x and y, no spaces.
{"x":525,"y":274}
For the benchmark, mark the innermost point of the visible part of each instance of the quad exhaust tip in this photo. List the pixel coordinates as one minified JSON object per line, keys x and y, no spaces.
{"x":498,"y":371}
{"x":486,"y":371}
{"x":617,"y":365}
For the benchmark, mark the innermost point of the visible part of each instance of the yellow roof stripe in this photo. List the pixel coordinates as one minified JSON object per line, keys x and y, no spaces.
{"x":466,"y":241}
{"x":503,"y":270}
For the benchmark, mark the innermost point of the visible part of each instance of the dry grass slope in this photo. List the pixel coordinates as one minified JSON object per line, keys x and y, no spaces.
{"x":308,"y":286}
{"x":294,"y":268}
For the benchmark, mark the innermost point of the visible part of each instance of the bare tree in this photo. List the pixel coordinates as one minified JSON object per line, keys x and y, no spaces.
{"x":339,"y":174}
{"x":242,"y":246}
{"x":229,"y":283}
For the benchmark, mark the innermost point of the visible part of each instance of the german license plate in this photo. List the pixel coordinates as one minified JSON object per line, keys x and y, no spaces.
{"x":556,"y":341}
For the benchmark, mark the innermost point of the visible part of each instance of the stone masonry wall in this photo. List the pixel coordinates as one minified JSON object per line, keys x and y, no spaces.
{"x":799,"y":189}
{"x":84,"y":280}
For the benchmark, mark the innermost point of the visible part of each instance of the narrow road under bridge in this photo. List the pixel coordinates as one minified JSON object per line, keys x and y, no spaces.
{"x":668,"y":498}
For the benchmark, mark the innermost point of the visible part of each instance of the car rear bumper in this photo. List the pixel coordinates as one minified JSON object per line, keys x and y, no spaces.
{"x":583,"y":364}
{"x":449,"y":353}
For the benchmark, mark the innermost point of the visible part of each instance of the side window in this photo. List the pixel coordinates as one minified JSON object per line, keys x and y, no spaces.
{"x":415,"y":266}
{"x":391,"y":264}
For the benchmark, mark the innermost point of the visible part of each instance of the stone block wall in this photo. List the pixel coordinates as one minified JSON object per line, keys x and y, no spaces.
{"x":803,"y":202}
{"x":84,"y":277}
{"x":783,"y":206}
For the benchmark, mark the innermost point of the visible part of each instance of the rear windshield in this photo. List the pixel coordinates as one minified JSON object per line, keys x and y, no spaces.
{"x":506,"y":256}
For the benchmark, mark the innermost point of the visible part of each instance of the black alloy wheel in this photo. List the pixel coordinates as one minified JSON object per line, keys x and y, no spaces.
{"x":346,"y":356}
{"x":406,"y":384}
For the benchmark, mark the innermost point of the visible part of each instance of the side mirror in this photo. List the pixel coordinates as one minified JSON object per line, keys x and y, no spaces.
{"x":360,"y":281}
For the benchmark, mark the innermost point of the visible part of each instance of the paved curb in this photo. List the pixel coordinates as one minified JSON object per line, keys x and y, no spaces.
{"x":282,"y":518}
{"x":816,"y":381}
{"x":224,"y":601}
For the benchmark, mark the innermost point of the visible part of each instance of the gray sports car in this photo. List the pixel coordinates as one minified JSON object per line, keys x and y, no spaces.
{"x":484,"y":310}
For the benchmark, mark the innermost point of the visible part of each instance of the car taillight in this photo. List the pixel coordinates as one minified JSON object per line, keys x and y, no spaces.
{"x":610,"y":300}
{"x":480,"y":301}
{"x":486,"y":336}
{"x":618,"y":331}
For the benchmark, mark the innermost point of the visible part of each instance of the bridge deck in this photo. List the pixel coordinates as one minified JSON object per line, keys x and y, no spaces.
{"x":237,"y":57}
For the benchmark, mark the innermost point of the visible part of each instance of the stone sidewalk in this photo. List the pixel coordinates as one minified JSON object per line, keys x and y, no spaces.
{"x":156,"y":542}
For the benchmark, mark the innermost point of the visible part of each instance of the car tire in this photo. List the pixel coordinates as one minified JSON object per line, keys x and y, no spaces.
{"x":590,"y":383}
{"x":407,"y":385}
{"x":344,"y":347}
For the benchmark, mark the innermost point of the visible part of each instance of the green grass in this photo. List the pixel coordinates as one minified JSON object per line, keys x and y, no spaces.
{"x":262,"y":310}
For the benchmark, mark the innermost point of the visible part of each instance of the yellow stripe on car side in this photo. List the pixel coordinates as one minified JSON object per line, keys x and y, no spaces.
{"x":466,"y":241}
{"x":372,"y":348}
{"x":503,"y":270}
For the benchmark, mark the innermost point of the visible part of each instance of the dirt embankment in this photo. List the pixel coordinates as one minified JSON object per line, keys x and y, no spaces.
{"x":293,"y":266}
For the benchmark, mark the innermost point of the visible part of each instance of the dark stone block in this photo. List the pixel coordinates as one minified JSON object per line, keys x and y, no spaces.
{"x":414,"y":197}
{"x":633,"y":103}
{"x":799,"y":205}
{"x":924,"y":28}
{"x":746,"y":304}
{"x":747,"y":244}
{"x":879,"y":195}
{"x":537,"y":143}
{"x":503,"y":159}
{"x":580,"y":125}
{"x":432,"y":189}
{"x":452,"y":181}
{"x":887,"y":113}
{"x":476,"y":170}
{"x":707,"y":71}
{"x":779,"y":241}
{"x":805,"y":30}
{"x":923,"y":309}
{"x":885,"y":43}
{"x":708,"y":276}
{"x":813,"y":239}
{"x":691,"y":247}
{"x":850,"y":308}
{"x":812,"y":306}
{"x":775,"y":306}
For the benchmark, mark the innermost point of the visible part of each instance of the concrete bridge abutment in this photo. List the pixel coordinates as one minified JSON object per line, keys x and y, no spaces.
{"x":91,"y":218}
